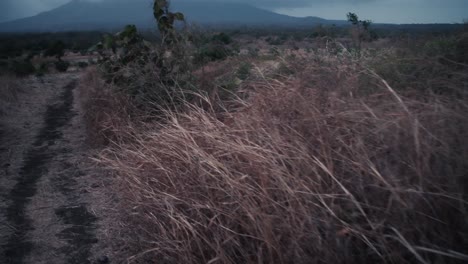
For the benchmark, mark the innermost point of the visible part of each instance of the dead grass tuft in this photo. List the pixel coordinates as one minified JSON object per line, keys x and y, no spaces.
{"x":9,"y":89}
{"x":108,"y":113}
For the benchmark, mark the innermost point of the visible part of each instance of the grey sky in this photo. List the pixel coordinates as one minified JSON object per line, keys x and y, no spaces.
{"x":392,"y":11}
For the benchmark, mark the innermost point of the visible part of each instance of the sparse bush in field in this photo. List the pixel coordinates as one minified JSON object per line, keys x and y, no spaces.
{"x":275,"y":41}
{"x":319,"y":31}
{"x":42,"y":70}
{"x":61,"y":66}
{"x":56,"y":49}
{"x":212,"y":52}
{"x":440,"y":47}
{"x":21,"y":67}
{"x":153,"y":74}
{"x":284,"y":69}
{"x":360,"y":31}
{"x":83,"y":64}
{"x":9,"y":90}
{"x":243,"y":71}
{"x":430,"y":74}
{"x":275,"y":51}
{"x":107,"y":110}
{"x":222,"y":38}
{"x":253,"y":52}
{"x":209,"y":48}
{"x":461,"y":48}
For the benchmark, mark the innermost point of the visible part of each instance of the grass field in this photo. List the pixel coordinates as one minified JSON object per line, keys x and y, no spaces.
{"x":294,"y":155}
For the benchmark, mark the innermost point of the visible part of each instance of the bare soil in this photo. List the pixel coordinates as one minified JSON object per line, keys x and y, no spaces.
{"x":45,"y":189}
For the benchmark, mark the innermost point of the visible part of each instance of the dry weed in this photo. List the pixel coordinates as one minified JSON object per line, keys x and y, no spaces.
{"x":9,"y":89}
{"x":108,"y":114}
{"x":307,"y":169}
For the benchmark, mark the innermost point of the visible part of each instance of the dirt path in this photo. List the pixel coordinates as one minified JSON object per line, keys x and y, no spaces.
{"x":44,"y":205}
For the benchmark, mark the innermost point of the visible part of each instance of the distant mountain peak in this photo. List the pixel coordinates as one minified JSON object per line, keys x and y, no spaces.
{"x":110,"y":15}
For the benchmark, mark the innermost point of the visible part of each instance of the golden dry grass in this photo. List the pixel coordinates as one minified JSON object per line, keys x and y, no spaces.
{"x":310,"y":167}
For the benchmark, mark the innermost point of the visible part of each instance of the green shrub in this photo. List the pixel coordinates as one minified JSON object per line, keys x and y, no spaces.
{"x":222,"y":38}
{"x":62,"y":66}
{"x":43,"y":69}
{"x":275,"y":41}
{"x":244,"y":70}
{"x":440,"y":47}
{"x":22,"y":68}
{"x":83,"y":64}
{"x":56,"y":49}
{"x":212,"y":52}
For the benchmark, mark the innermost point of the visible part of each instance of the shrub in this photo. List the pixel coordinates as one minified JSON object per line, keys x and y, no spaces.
{"x":243,"y":71}
{"x":83,"y":64}
{"x":62,"y":66}
{"x":43,"y":69}
{"x":440,"y":47}
{"x":107,"y":111}
{"x":9,"y":89}
{"x":222,"y":38}
{"x":22,"y":67}
{"x":462,"y":48}
{"x":212,"y":52}
{"x":56,"y":49}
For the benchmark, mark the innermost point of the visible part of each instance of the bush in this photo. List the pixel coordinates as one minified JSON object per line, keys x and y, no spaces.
{"x":222,"y":38}
{"x":56,"y":49}
{"x":243,"y":71}
{"x":462,"y":48}
{"x":440,"y":47}
{"x":62,"y":66}
{"x":22,"y":68}
{"x":9,"y":89}
{"x":83,"y":64}
{"x":43,"y":69}
{"x":212,"y":52}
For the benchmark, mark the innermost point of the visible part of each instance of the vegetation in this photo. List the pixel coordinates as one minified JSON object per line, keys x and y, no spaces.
{"x":360,"y":30}
{"x":311,"y":145}
{"x":57,"y":49}
{"x":21,"y":68}
{"x":291,"y":155}
{"x":62,"y":66}
{"x":9,"y":90}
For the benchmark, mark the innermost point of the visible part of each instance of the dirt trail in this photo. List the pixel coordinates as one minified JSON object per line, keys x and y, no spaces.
{"x":44,"y":205}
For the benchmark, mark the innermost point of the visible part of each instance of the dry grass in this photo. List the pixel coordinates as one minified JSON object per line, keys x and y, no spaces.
{"x":108,"y":114}
{"x":9,"y":89}
{"x":307,"y":169}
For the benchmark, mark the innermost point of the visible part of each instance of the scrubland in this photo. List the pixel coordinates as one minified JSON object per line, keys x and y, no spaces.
{"x":290,"y":155}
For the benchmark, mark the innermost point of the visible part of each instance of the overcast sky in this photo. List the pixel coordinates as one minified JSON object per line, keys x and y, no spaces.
{"x":383,"y":11}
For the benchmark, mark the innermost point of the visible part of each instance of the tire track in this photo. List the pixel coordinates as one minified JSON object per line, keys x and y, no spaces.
{"x":35,"y":166}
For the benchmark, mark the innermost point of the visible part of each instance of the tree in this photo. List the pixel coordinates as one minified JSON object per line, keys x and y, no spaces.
{"x":360,"y":30}
{"x":165,"y":20}
{"x":172,"y":53}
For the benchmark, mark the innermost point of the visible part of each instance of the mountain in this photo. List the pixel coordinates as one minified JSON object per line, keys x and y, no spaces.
{"x":114,"y":14}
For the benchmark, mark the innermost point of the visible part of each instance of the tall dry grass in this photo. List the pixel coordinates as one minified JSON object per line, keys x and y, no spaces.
{"x":108,"y":114}
{"x":9,"y":90}
{"x":306,"y":169}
